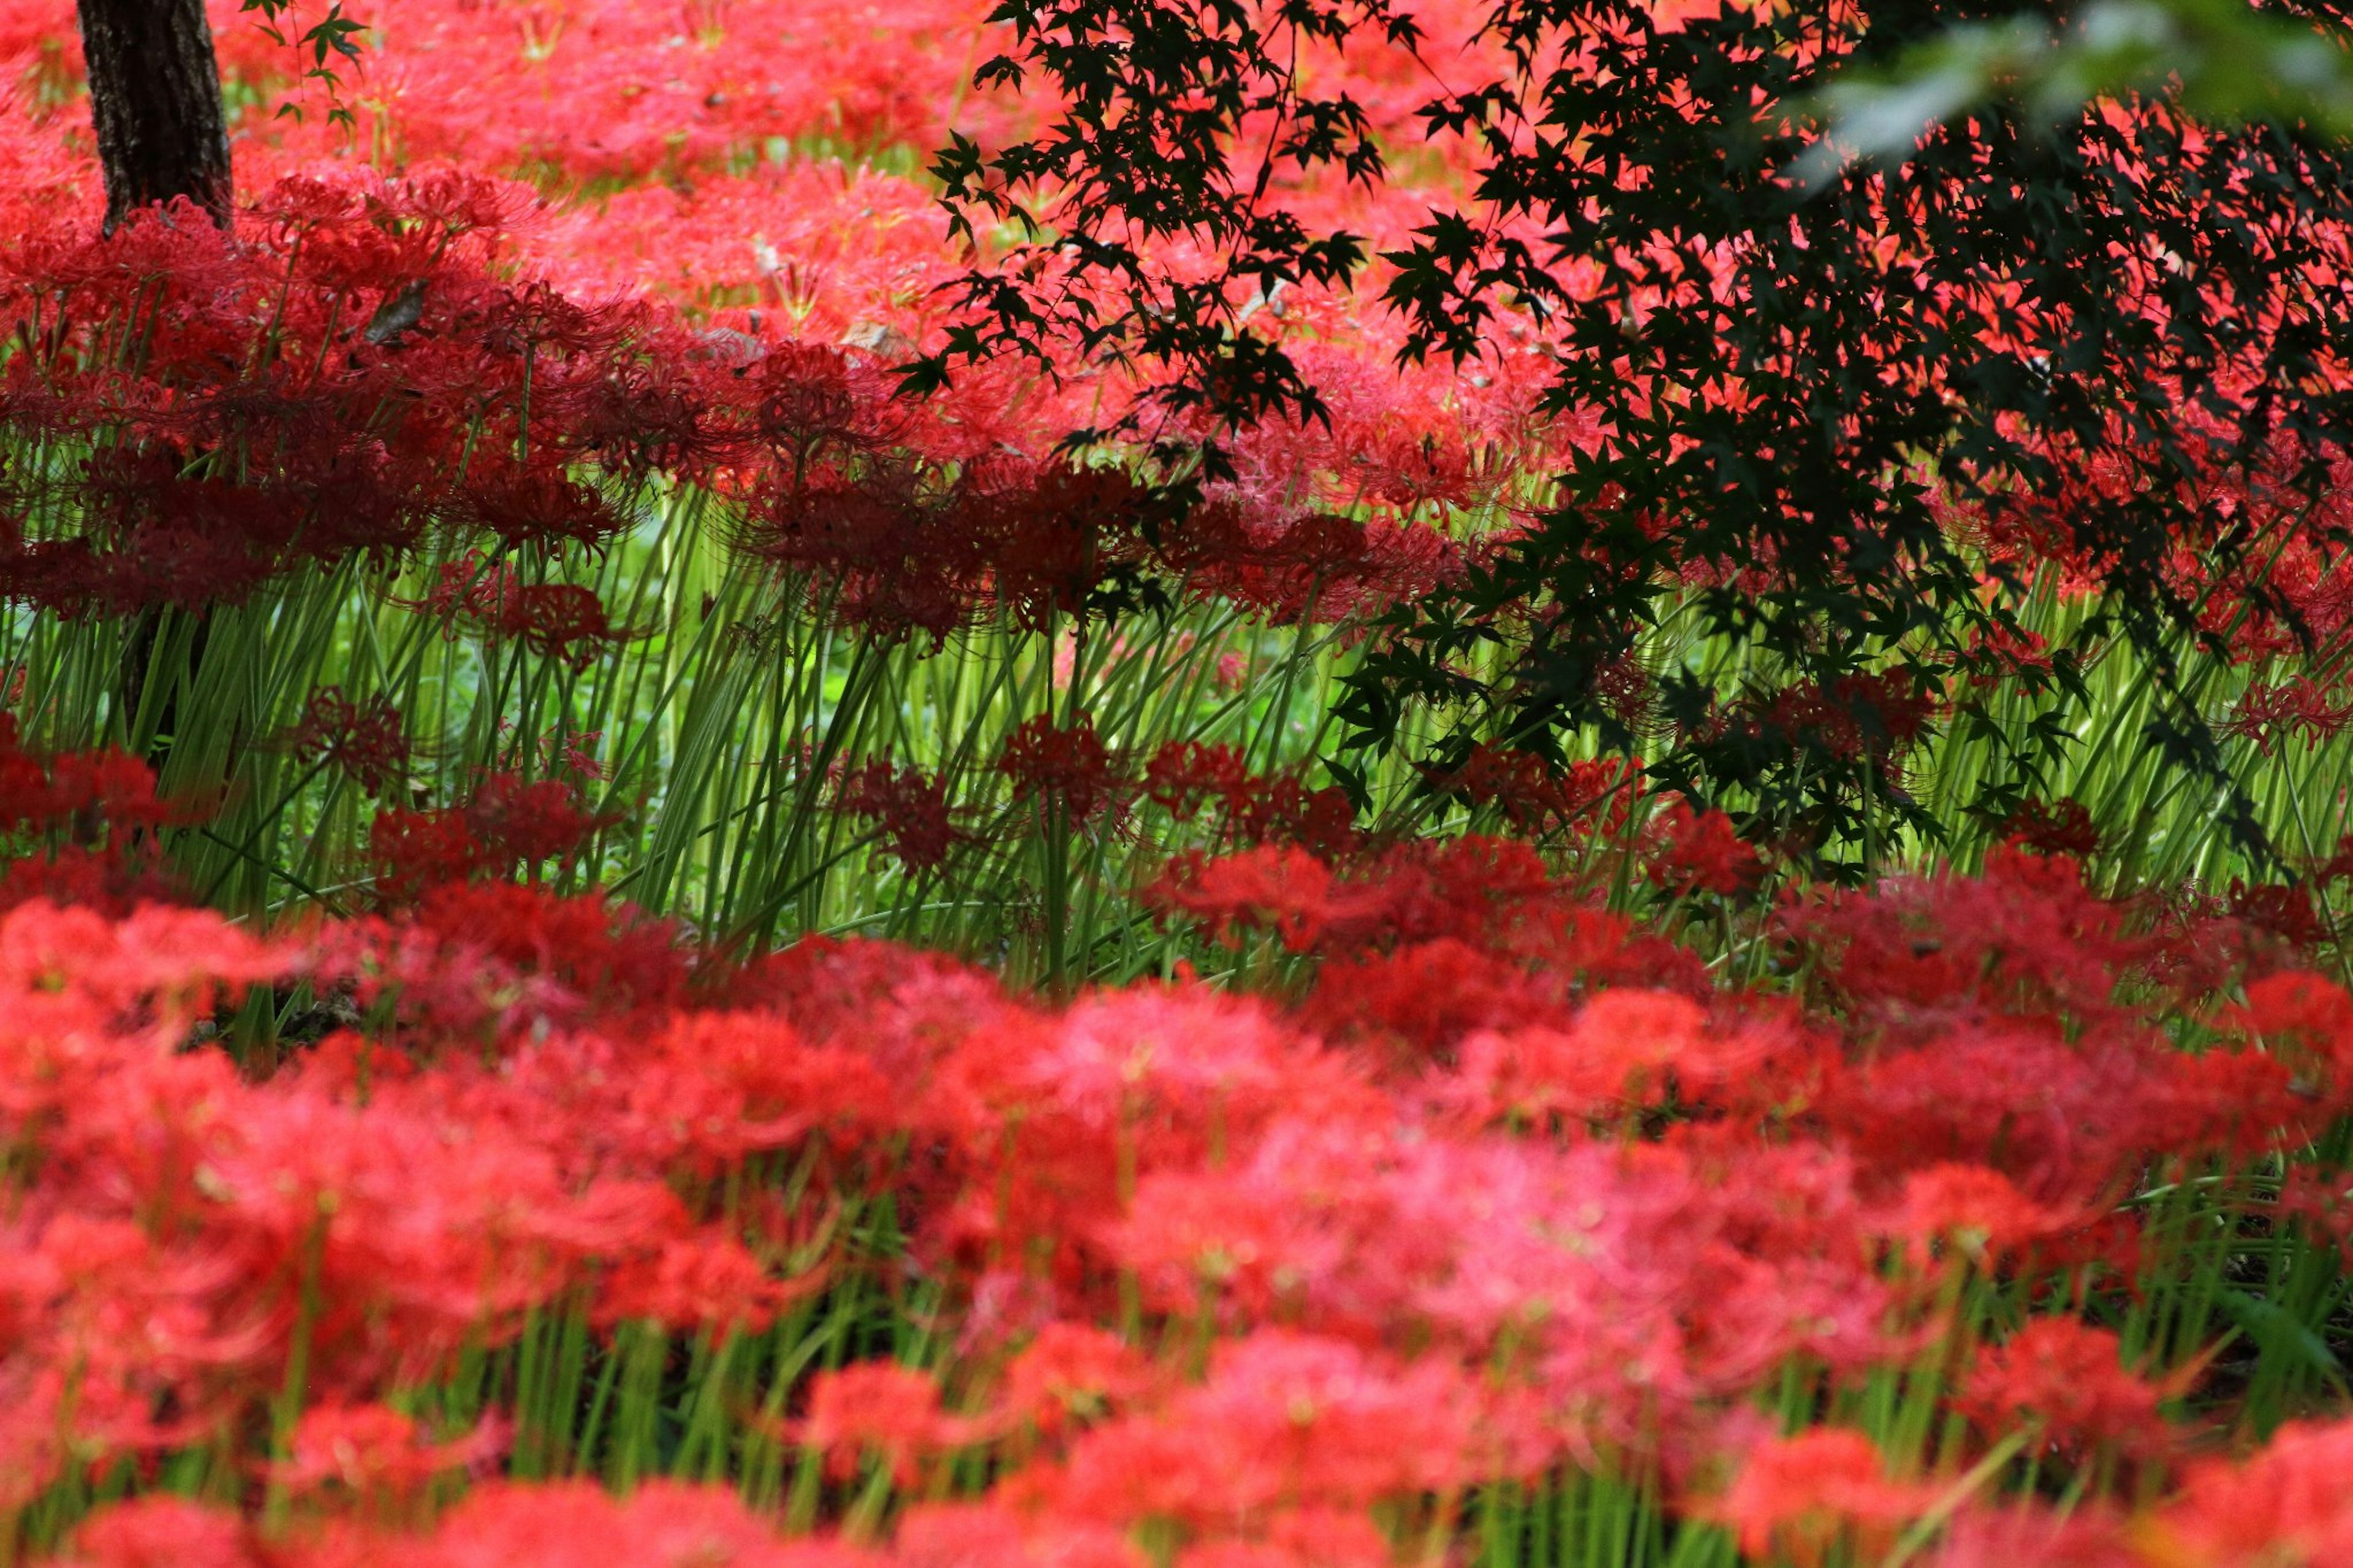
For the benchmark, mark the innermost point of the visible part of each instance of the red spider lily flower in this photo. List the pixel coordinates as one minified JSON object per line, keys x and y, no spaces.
{"x":608,"y":955}
{"x":1594,"y":798}
{"x":168,"y":963}
{"x":2281,"y":910}
{"x":1799,"y":1494}
{"x":507,"y":822}
{"x":705,"y":1279}
{"x":560,"y":621}
{"x":1285,"y":887}
{"x":109,"y":881}
{"x":1874,"y":717}
{"x":1999,"y":653}
{"x":718,"y":1086}
{"x":160,"y":1531}
{"x":2306,"y":1020}
{"x":1418,"y":1003}
{"x":1001,"y":1533}
{"x":1055,"y":534}
{"x":111,"y":785}
{"x":1978,"y":1210}
{"x":473,"y":587}
{"x":912,"y":809}
{"x":1071,"y":767}
{"x":2060,"y":827}
{"x":1688,"y":851}
{"x":660,"y":1524}
{"x":2067,"y":1379}
{"x":85,"y":789}
{"x":375,"y":1453}
{"x":1284,"y":1418}
{"x":2013,"y":1535}
{"x":1618,"y":1051}
{"x":546,"y":510}
{"x":1300,"y":1538}
{"x":884,"y":1408}
{"x":557,"y":620}
{"x":105,"y":802}
{"x":2287,"y":1504}
{"x":1184,"y":776}
{"x":1070,"y":1375}
{"x":414,"y":850}
{"x":2339,"y":866}
{"x":2062,"y":1121}
{"x":536,"y":821}
{"x":366,"y":740}
{"x":2303,"y":705}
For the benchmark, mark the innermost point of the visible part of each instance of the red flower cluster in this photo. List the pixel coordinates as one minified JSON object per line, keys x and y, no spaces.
{"x":93,"y":817}
{"x":1420,"y":1233}
{"x":1188,"y":777}
{"x":506,"y":826}
{"x":367,"y":741}
{"x":910,"y":810}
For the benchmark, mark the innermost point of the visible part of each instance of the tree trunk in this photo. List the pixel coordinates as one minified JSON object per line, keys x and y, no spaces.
{"x":155,"y":100}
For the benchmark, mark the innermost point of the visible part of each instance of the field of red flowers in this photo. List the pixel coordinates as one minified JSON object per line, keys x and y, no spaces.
{"x":618,"y":946}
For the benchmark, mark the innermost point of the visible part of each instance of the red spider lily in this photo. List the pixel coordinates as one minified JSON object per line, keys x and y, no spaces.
{"x":1619,"y":1051}
{"x":1282,"y":1418}
{"x":1492,"y":893}
{"x":531,"y":822}
{"x":1514,"y":1182}
{"x":541,"y":509}
{"x":1799,"y":1495}
{"x":1055,"y":534}
{"x":507,"y":822}
{"x":1595,"y":798}
{"x":719,"y":1086}
{"x":2306,"y":1021}
{"x":1320,"y":565}
{"x":2066,"y":1379}
{"x":2283,"y":1505}
{"x":1070,"y":767}
{"x":472,"y":587}
{"x":1989,"y":1536}
{"x":611,"y":956}
{"x":1007,"y":1535}
{"x":165,"y":1531}
{"x":1072,"y":1376}
{"x":1691,"y":851}
{"x":366,"y":740}
{"x":2060,"y":827}
{"x":558,"y":620}
{"x":420,"y":849}
{"x":662,"y":1524}
{"x":881,"y":1408}
{"x":1858,"y":717}
{"x":1286,"y":889}
{"x":1453,"y":1255}
{"x":1185,"y":777}
{"x":911,"y":810}
{"x":84,"y":789}
{"x":375,"y":1453}
{"x":2281,"y":910}
{"x":2301,"y":707}
{"x":702,"y":1280}
{"x":1977,"y":1210}
{"x":2001,"y":653}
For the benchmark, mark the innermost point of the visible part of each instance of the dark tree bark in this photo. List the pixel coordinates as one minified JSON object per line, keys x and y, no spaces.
{"x":155,"y":100}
